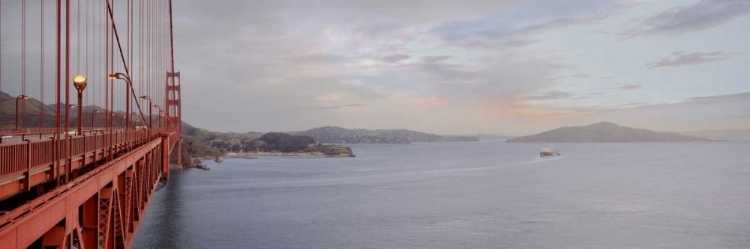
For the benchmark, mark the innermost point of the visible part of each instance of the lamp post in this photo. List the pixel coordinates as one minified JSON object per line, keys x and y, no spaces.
{"x":79,"y":81}
{"x":150,"y":106}
{"x":20,"y":97}
{"x":128,"y":82}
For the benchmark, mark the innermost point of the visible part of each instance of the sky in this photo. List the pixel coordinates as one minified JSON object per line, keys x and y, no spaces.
{"x":461,"y":67}
{"x":508,"y":67}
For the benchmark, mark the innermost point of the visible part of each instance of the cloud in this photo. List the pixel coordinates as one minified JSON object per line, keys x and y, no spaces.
{"x":588,"y":95}
{"x":396,"y":58}
{"x":332,"y":107}
{"x":699,"y":16}
{"x":435,"y":59}
{"x":580,"y":76}
{"x":734,"y":96}
{"x":629,"y":87}
{"x":517,"y":25}
{"x":728,"y":111}
{"x":552,"y":95}
{"x":689,"y":114}
{"x":678,"y":59}
{"x":573,"y":76}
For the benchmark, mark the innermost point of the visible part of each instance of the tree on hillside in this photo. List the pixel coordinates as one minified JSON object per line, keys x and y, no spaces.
{"x":276,"y":141}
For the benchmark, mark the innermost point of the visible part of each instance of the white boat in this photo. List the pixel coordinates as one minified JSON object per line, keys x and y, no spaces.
{"x":547,"y":151}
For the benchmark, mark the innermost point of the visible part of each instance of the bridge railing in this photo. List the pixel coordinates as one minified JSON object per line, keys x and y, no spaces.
{"x":18,"y":157}
{"x":14,"y":157}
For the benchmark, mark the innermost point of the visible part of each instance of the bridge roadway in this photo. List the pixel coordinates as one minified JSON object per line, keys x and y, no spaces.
{"x":83,"y":191}
{"x":21,"y":134}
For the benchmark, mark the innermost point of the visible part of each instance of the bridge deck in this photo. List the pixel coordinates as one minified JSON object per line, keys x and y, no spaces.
{"x":25,"y":164}
{"x":34,"y":219}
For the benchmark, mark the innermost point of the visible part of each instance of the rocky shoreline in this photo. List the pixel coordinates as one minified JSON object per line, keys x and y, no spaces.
{"x":256,"y":154}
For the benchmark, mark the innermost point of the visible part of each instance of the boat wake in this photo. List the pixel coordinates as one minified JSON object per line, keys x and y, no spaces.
{"x":548,"y":158}
{"x":360,"y":179}
{"x":530,"y":161}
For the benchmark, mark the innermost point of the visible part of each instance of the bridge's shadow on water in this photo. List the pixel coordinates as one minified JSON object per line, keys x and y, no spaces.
{"x":158,"y":231}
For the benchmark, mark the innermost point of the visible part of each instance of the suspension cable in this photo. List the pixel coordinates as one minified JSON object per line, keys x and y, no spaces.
{"x":122,"y":57}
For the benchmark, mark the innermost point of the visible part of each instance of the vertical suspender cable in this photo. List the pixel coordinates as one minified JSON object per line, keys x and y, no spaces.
{"x":140,"y":45}
{"x":161,"y":73}
{"x":127,"y":38}
{"x":147,"y":40}
{"x":78,"y":36}
{"x":23,"y":60}
{"x":89,"y":72}
{"x":57,"y":89}
{"x":127,"y":31}
{"x":107,"y":70}
{"x":110,"y":65}
{"x":148,"y":46}
{"x":67,"y":76}
{"x":164,"y":42}
{"x":130,"y":42}
{"x":41,"y":61}
{"x":1,"y":45}
{"x":67,"y":69}
{"x":97,"y":50}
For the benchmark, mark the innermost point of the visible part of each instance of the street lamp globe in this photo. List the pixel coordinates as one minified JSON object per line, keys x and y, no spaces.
{"x":79,"y":81}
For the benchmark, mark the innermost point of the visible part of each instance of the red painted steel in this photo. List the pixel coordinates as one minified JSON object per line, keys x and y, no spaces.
{"x":91,"y":189}
{"x":138,"y":169}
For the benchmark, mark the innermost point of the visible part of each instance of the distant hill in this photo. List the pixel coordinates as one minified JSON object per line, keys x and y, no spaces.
{"x":720,"y":134}
{"x":605,"y":132}
{"x":34,"y":109}
{"x":33,"y":106}
{"x":457,"y":138}
{"x":491,"y":137}
{"x":200,"y":143}
{"x":334,"y":134}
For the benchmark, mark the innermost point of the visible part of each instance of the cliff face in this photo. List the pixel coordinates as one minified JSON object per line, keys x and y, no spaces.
{"x":605,"y":132}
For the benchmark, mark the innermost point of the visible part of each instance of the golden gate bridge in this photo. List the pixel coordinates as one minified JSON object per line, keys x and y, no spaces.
{"x":90,"y":119}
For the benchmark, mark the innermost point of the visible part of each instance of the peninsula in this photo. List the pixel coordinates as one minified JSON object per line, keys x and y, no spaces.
{"x":282,"y":144}
{"x":201,"y":143}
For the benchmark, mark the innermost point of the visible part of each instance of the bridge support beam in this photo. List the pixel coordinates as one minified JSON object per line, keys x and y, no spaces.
{"x":89,"y":221}
{"x":99,"y":209}
{"x":55,"y":237}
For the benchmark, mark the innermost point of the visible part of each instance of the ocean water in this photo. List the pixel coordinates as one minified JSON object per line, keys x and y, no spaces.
{"x":464,"y":195}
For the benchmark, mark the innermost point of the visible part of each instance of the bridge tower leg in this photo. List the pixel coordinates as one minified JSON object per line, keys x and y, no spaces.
{"x":173,"y":107}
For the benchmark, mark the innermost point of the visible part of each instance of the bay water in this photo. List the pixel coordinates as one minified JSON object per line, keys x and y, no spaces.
{"x":463,"y":195}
